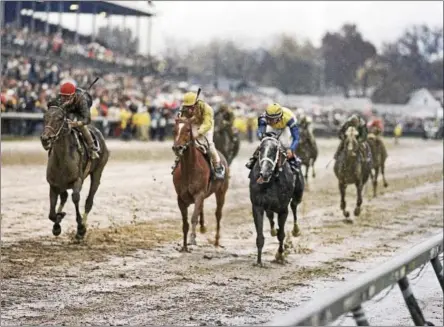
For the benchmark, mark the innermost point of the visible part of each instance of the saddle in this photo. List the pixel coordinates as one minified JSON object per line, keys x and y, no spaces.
{"x":82,"y":145}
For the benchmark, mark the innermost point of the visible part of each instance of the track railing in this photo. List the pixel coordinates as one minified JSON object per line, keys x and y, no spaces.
{"x":327,"y":307}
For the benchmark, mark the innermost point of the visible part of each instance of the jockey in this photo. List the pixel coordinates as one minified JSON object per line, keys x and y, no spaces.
{"x":361,"y":126}
{"x":305,"y":123}
{"x":202,"y":127}
{"x":78,"y":103}
{"x":227,"y":120}
{"x":376,"y":127}
{"x":278,"y":118}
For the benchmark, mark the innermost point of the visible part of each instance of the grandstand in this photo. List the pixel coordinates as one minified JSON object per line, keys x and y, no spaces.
{"x":22,"y":13}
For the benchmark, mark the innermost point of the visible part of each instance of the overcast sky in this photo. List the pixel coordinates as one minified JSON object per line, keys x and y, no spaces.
{"x":256,"y":22}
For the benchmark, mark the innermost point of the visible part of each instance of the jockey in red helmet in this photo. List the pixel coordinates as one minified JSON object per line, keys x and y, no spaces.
{"x":78,"y":103}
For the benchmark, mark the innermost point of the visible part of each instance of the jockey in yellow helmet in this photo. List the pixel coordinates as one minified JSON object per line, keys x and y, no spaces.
{"x":202,"y":127}
{"x":280,"y":118}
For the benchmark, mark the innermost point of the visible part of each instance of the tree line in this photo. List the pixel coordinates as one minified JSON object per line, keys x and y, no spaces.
{"x":345,"y":61}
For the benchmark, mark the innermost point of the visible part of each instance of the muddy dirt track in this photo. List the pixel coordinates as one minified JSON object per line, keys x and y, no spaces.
{"x":129,"y":271}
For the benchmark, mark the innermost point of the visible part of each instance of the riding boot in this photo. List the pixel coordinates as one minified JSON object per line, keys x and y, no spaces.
{"x":93,"y":151}
{"x":219,"y":169}
{"x":252,"y":160}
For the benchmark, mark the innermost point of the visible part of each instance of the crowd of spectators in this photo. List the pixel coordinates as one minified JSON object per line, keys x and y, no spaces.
{"x":125,"y":105}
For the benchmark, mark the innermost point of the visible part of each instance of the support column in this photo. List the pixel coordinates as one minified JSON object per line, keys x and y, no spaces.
{"x":94,"y":21}
{"x":76,"y":37}
{"x":47,"y":18}
{"x":18,"y":18}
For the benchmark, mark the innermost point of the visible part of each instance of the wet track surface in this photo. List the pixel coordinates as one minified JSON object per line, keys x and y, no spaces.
{"x":129,"y":271}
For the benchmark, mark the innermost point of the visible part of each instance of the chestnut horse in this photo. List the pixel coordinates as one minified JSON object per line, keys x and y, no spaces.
{"x":193,"y":181}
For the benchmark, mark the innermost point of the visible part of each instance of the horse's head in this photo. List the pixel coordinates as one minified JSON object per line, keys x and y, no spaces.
{"x":351,"y":141}
{"x":268,"y":157}
{"x":183,"y":136}
{"x":56,"y":123}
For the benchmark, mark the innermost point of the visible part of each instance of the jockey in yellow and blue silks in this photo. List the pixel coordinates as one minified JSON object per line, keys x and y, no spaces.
{"x":279,"y":118}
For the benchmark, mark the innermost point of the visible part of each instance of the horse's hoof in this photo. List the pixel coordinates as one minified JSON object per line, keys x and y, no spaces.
{"x":346,"y":214}
{"x":184,"y":249}
{"x":192,"y":242}
{"x":259,"y":264}
{"x":273,"y":232}
{"x":386,"y":184}
{"x":348,"y":221}
{"x":357,"y":211}
{"x":296,"y":231}
{"x":81,"y":231}
{"x":56,"y":229}
{"x":203,"y":229}
{"x":279,"y":258}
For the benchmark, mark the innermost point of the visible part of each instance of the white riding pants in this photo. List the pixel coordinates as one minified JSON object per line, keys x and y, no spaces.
{"x":209,"y":137}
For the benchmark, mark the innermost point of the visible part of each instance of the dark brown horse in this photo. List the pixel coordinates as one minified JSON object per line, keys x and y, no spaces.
{"x":307,"y":153}
{"x":379,"y":157}
{"x":351,"y":168}
{"x":193,"y":181}
{"x":68,"y":166}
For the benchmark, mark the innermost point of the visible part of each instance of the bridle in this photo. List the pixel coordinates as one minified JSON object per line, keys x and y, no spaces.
{"x":57,"y":133}
{"x":272,"y":161}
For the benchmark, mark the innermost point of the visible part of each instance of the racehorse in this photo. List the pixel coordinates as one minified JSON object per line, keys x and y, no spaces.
{"x":222,"y":141}
{"x":307,"y":153}
{"x":378,"y":159}
{"x":193,"y":181}
{"x":351,"y":168}
{"x":68,"y":166}
{"x":272,"y":186}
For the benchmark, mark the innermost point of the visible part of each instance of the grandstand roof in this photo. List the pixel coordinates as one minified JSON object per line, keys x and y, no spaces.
{"x":86,"y":7}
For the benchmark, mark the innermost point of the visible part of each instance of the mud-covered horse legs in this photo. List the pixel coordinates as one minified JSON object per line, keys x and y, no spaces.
{"x":359,"y":188}
{"x":383,"y":173}
{"x":203,"y":228}
{"x":294,"y":208}
{"x":185,"y":225}
{"x":273,"y":231}
{"x":198,"y":207}
{"x":220,"y":200}
{"x":342,"y":188}
{"x":258,"y":215}
{"x":75,"y":196}
{"x":313,"y":172}
{"x":54,"y":216}
{"x":375,"y":181}
{"x":95,"y":182}
{"x":282,"y":218}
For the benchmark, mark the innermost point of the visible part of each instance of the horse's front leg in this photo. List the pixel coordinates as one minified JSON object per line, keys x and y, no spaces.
{"x":313,"y":172}
{"x":383,"y":173}
{"x":75,"y":196}
{"x":342,"y":188}
{"x":357,"y":211}
{"x":273,"y":231}
{"x":53,"y":195}
{"x":375,"y":181}
{"x":282,"y":218}
{"x":198,"y":207}
{"x":185,"y":225}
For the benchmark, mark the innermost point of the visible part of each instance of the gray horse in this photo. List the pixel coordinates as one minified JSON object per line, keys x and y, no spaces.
{"x":68,"y":166}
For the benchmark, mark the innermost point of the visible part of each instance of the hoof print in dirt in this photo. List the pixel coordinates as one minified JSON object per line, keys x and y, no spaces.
{"x":348,"y":221}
